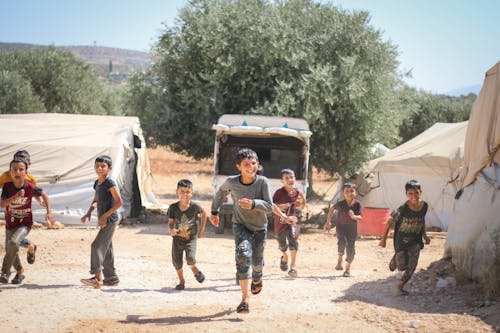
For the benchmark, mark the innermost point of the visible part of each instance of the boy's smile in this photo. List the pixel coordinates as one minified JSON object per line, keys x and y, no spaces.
{"x":248,"y":168}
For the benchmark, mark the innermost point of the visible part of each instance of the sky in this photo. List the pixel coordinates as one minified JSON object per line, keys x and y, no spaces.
{"x":446,"y":44}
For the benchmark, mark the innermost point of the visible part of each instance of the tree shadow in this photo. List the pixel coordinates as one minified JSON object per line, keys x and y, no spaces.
{"x":180,"y":320}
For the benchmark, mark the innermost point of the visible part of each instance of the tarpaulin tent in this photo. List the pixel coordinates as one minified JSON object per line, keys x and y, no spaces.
{"x":473,"y":239}
{"x":433,"y":158}
{"x":63,"y":148}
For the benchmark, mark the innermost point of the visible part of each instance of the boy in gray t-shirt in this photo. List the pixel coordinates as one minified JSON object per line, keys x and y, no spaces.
{"x":252,"y":203}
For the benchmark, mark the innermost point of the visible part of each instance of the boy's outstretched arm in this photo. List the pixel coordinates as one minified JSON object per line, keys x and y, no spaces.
{"x":173,"y":232}
{"x":331,"y":210}
{"x":203,"y":223}
{"x":46,"y":203}
{"x":388,"y":227}
{"x":87,"y":215}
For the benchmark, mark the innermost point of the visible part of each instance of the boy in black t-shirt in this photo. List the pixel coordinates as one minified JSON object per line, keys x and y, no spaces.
{"x":183,"y":223}
{"x":409,"y":229}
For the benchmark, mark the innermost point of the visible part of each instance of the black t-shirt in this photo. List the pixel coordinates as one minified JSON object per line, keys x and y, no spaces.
{"x":105,"y":199}
{"x":344,"y":208}
{"x":186,"y":220}
{"x":409,"y":226}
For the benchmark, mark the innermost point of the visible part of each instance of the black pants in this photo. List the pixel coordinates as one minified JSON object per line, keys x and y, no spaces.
{"x":346,"y":236}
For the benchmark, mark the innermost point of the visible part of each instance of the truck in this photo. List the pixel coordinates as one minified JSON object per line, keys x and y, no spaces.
{"x":280,"y":142}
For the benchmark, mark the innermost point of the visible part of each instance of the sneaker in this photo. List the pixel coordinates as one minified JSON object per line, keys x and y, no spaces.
{"x":4,"y":278}
{"x":292,"y":272}
{"x":114,"y":281}
{"x":200,"y":277}
{"x":30,"y":255}
{"x":17,"y":279}
{"x":339,"y":267}
{"x":93,"y":282}
{"x":180,"y":286}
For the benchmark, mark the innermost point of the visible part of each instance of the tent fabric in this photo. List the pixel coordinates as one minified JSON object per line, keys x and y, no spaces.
{"x":483,"y":135}
{"x":433,"y":158}
{"x":473,"y":239}
{"x":63,"y":148}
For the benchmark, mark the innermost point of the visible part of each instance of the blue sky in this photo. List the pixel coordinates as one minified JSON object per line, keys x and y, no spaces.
{"x":447,"y":44}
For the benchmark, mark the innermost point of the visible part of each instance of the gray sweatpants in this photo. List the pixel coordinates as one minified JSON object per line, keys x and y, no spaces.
{"x":13,"y":240}
{"x":101,"y":253}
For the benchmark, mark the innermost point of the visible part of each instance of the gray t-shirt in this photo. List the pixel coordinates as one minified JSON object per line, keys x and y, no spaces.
{"x":256,"y":218}
{"x":104,"y":198}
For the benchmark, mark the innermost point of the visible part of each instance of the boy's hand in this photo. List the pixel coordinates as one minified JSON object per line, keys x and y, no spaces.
{"x":102,"y":222}
{"x":382,"y":242}
{"x":85,"y":218}
{"x":214,"y":219}
{"x":173,"y":232}
{"x":201,"y":234}
{"x":292,"y":219}
{"x":245,"y":203}
{"x":427,"y":239}
{"x":19,"y":194}
{"x":326,"y":227}
{"x":351,"y":214}
{"x":49,"y":218}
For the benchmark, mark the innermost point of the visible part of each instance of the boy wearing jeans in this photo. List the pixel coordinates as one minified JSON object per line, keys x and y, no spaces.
{"x":252,"y":203}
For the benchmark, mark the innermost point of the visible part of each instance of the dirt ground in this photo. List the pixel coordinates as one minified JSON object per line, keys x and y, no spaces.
{"x":51,"y":298}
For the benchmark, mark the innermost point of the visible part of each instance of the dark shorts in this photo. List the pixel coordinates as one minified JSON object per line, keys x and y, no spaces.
{"x":181,"y":245}
{"x":289,"y":234}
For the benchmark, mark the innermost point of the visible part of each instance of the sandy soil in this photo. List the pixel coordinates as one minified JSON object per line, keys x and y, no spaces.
{"x":51,"y":298}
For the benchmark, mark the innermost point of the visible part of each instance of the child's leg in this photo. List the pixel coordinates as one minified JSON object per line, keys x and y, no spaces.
{"x":413,"y":253}
{"x":351,"y":235}
{"x":341,"y":244}
{"x":180,"y":275}
{"x":13,"y":239}
{"x":283,"y":247}
{"x":293,"y":246}
{"x":191,"y":260}
{"x":109,"y":271}
{"x":258,"y":244}
{"x":99,"y":248}
{"x":177,"y":253}
{"x":243,"y":257}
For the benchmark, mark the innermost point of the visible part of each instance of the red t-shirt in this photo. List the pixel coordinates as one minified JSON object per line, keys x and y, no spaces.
{"x":18,"y":213}
{"x":281,"y":196}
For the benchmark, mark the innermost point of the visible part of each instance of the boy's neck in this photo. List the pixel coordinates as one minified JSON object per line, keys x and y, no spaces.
{"x":288,"y":188}
{"x":102,"y":178}
{"x":349,"y":200}
{"x":247,"y":180}
{"x":18,"y":184}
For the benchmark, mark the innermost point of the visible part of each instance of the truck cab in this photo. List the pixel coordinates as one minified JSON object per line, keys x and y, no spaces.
{"x":280,"y":142}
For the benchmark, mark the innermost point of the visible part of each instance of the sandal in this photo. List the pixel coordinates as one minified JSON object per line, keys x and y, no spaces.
{"x":17,"y":279}
{"x":339,"y":267}
{"x":180,"y":286}
{"x":243,"y":308}
{"x":4,"y":278}
{"x":283,"y":264}
{"x":30,"y":256}
{"x":200,"y":277}
{"x":114,"y":281}
{"x":256,"y":287}
{"x":292,"y":272}
{"x":93,"y":282}
{"x":346,"y":274}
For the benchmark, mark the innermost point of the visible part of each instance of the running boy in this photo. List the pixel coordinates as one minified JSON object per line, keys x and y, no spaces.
{"x":183,"y":217}
{"x":4,"y":178}
{"x":409,"y":229}
{"x":252,"y":203}
{"x":16,"y":200}
{"x":288,"y":198}
{"x":108,"y":200}
{"x":347,"y":227}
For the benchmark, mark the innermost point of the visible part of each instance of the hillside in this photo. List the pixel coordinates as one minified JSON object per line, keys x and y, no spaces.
{"x":122,"y":62}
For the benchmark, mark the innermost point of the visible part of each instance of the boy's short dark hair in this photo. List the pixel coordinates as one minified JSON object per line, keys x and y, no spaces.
{"x":104,"y":159}
{"x":412,"y":184}
{"x":349,"y":185}
{"x":18,"y":160}
{"x":246,"y":153}
{"x":184,"y":183}
{"x":23,"y":155}
{"x":286,"y":172}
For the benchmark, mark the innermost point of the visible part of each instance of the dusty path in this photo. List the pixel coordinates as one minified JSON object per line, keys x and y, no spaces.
{"x":51,"y":299}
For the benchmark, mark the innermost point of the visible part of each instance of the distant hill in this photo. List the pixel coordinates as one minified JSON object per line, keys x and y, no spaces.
{"x":464,"y":91}
{"x":122,"y":62}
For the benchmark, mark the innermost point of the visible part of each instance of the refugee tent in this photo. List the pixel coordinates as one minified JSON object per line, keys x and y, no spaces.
{"x":433,"y":158}
{"x":63,"y":148}
{"x":473,"y":239}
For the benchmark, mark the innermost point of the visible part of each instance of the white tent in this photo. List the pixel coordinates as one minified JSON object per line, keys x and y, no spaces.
{"x":433,"y":158}
{"x":63,"y":149}
{"x":473,"y":239}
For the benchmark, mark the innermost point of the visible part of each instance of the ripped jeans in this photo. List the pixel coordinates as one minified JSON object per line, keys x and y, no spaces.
{"x":249,"y":251}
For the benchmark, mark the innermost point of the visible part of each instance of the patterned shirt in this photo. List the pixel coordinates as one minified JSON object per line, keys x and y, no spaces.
{"x":19,"y":213}
{"x":409,"y":226}
{"x":185,"y":221}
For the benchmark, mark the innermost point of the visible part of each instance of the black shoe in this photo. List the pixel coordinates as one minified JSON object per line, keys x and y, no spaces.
{"x":114,"y":281}
{"x":17,"y":279}
{"x":200,"y":277}
{"x":180,"y":286}
{"x":4,"y":278}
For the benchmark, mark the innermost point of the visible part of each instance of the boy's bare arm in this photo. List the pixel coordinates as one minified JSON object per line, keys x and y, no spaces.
{"x":46,"y":203}
{"x":388,"y":227}
{"x":173,"y":232}
{"x":331,"y":210}
{"x":87,"y":215}
{"x":203,"y":223}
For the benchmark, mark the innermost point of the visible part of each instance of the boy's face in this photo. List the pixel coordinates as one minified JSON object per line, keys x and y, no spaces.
{"x":349,"y":193}
{"x":101,"y":168}
{"x":413,"y":195}
{"x":288,"y":180}
{"x":248,"y":167}
{"x":184,"y":194}
{"x":18,"y":172}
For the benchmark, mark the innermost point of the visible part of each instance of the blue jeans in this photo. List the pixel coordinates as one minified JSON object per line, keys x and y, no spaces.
{"x":249,"y":251}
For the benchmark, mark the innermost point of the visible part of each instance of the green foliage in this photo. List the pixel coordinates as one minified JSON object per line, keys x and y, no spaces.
{"x":21,"y":98}
{"x":55,"y":77}
{"x":427,"y":109}
{"x":290,"y":58}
